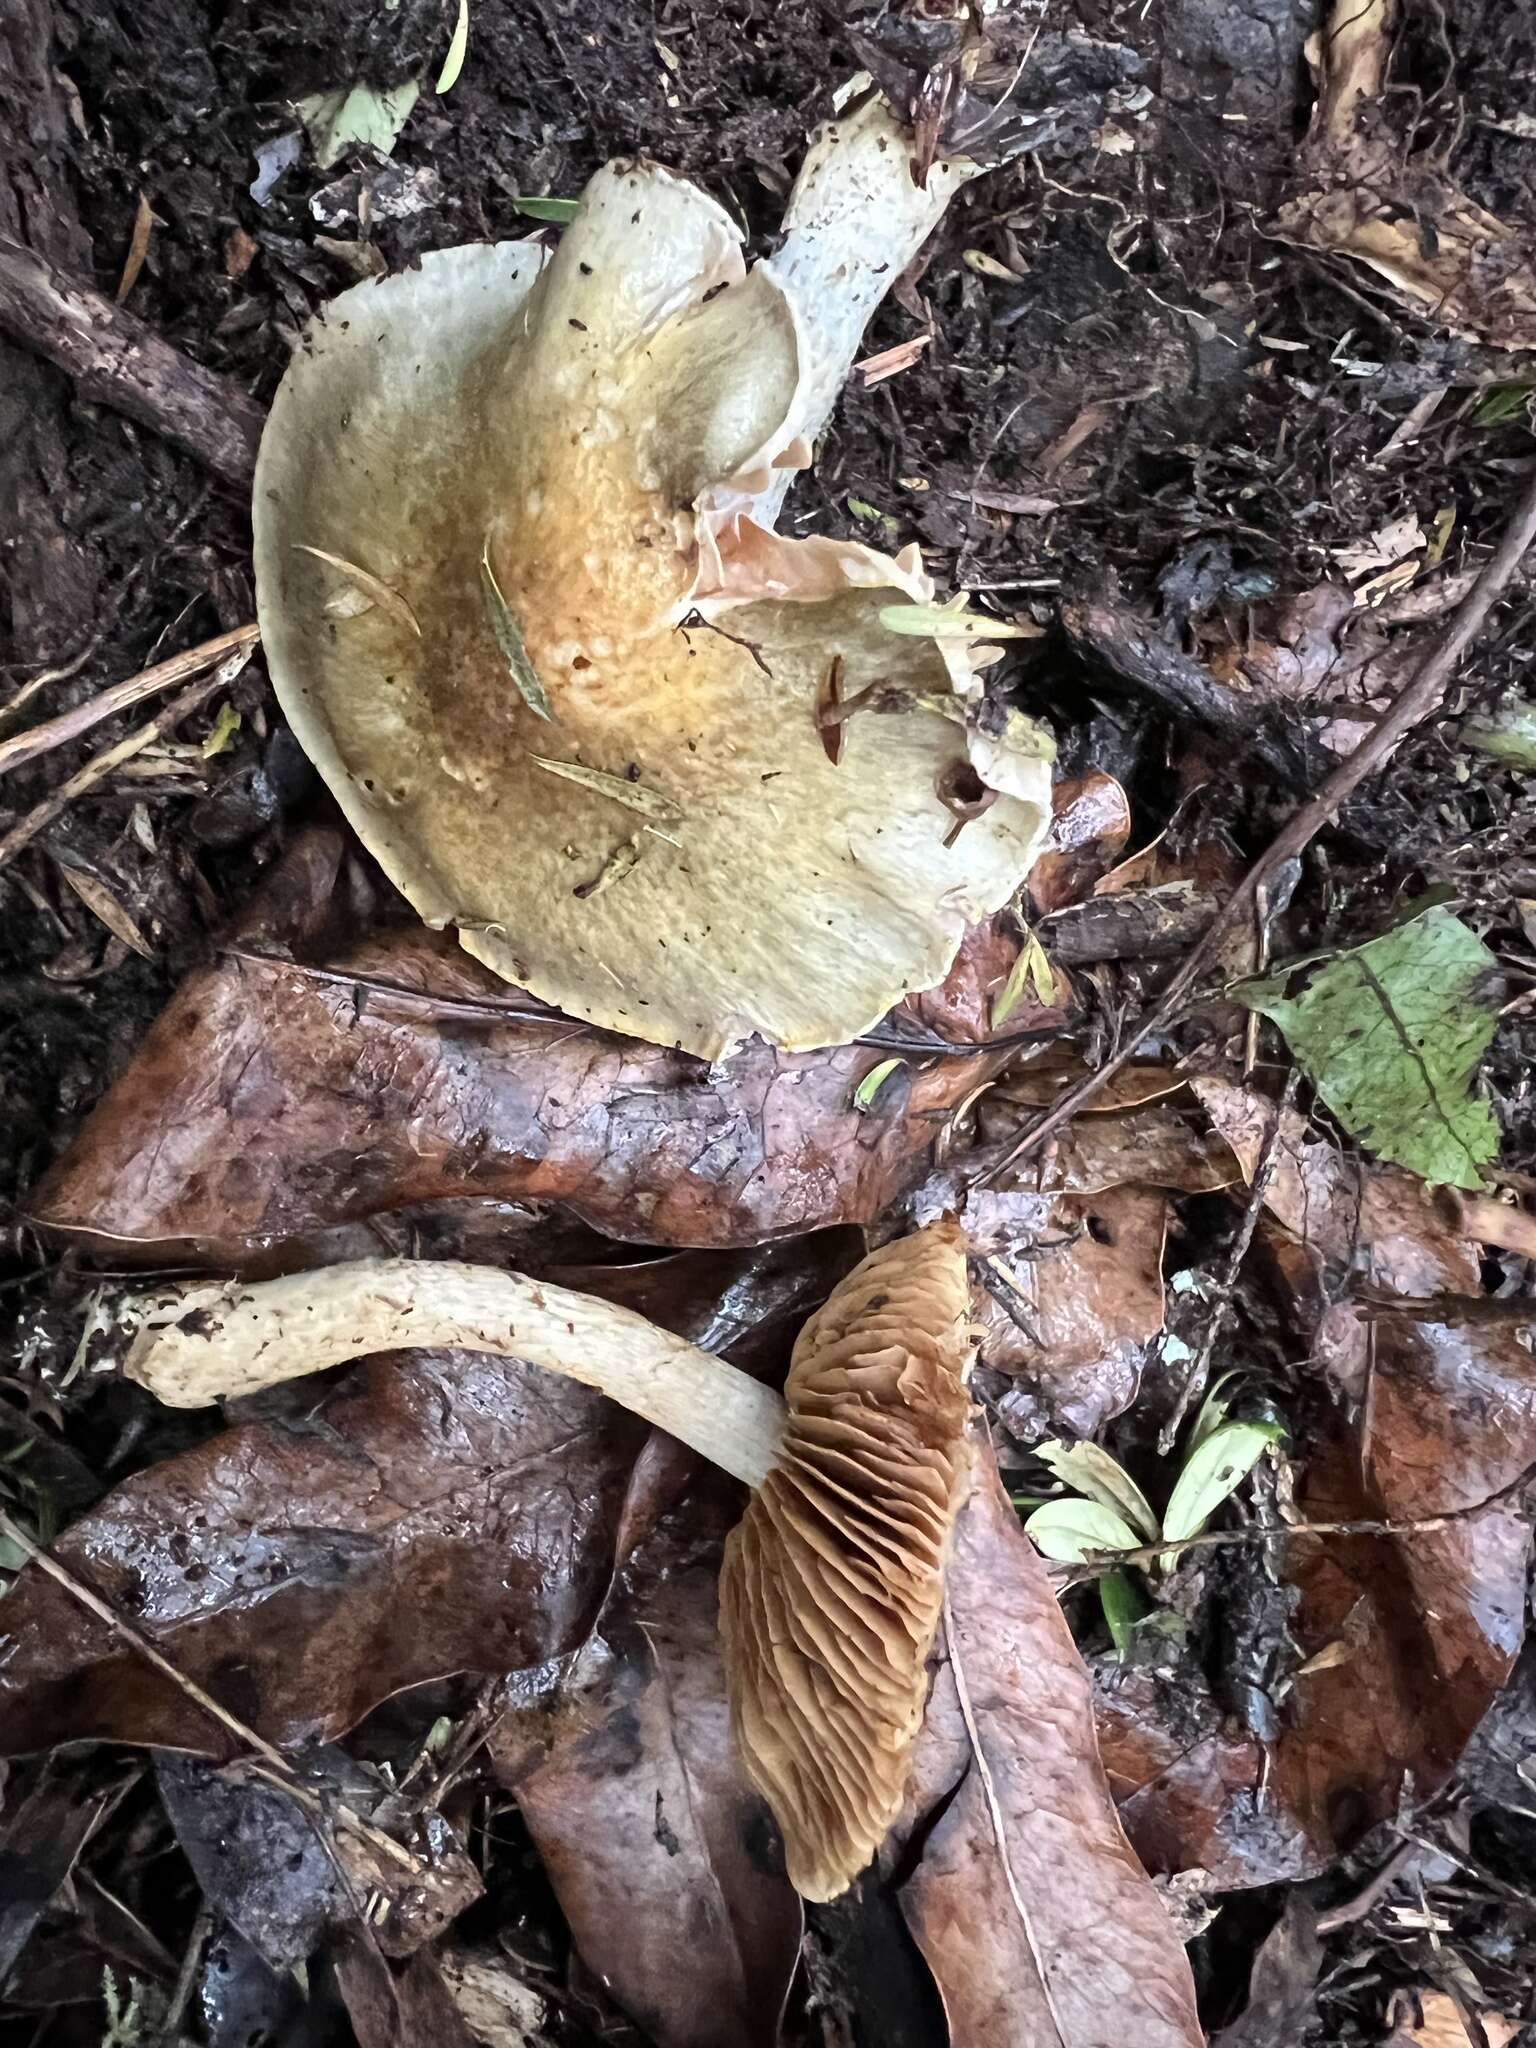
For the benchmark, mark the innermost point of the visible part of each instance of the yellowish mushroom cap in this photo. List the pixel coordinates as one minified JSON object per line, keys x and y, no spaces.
{"x":523,"y":609}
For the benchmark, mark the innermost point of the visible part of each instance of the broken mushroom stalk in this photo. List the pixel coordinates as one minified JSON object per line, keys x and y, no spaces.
{"x":524,"y":608}
{"x":832,"y":1583}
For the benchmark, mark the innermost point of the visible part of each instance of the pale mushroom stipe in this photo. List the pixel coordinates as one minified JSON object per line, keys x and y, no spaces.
{"x":832,"y":1585}
{"x":584,"y":729}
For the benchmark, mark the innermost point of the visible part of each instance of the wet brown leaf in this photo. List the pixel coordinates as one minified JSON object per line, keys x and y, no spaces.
{"x":280,"y":1095}
{"x":662,"y":1856}
{"x":1402,"y":1640}
{"x":1070,"y":1301}
{"x":1432,"y":2019}
{"x":961,"y":1009}
{"x":1027,"y":1902}
{"x":1152,"y":1146}
{"x":406,"y":2007}
{"x":1091,"y":821}
{"x":1041,"y":1082}
{"x":439,"y":1512}
{"x":45,"y":1831}
{"x":286,"y":1879}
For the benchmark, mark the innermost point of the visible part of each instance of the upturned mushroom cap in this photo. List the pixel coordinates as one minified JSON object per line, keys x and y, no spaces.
{"x":833,"y":1581}
{"x":523,"y":610}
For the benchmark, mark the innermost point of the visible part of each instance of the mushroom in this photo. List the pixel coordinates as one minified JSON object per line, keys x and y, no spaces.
{"x":832,"y":1584}
{"x":524,"y":609}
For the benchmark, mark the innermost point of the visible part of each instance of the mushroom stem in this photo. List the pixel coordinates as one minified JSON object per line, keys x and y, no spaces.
{"x":198,"y":1345}
{"x":856,"y":219}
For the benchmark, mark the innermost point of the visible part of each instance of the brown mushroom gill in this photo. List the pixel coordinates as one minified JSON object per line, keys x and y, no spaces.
{"x":832,"y":1584}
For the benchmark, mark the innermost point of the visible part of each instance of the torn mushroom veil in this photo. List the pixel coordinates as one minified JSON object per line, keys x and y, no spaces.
{"x":525,"y":609}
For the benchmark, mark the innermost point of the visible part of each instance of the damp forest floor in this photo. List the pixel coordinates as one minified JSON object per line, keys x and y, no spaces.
{"x":1135,"y":417}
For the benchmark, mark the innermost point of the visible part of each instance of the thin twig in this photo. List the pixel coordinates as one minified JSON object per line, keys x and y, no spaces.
{"x":273,"y":1759}
{"x":1226,"y":1287}
{"x":69,"y":725}
{"x":1420,"y":696}
{"x":186,"y":1977}
{"x":1099,"y":1562}
{"x":26,"y":829}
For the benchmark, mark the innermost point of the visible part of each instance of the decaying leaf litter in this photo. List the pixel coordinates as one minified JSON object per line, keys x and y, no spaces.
{"x":1237,"y":484}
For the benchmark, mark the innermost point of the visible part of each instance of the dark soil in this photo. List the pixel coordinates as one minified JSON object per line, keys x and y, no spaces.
{"x":1139,"y":280}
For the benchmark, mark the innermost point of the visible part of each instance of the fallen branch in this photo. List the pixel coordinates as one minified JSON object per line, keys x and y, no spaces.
{"x":26,"y":829}
{"x":69,"y":725}
{"x":1132,"y":649}
{"x":119,"y":362}
{"x":1420,"y":695}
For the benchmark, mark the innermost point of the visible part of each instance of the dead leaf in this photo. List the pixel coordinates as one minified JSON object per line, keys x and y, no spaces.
{"x":240,"y":252}
{"x":890,"y":362}
{"x":1074,"y":1298}
{"x":438,"y":1512}
{"x":1433,"y":1618}
{"x":1388,"y":547}
{"x":1369,"y":196}
{"x":962,"y":1008}
{"x":316,"y":1074}
{"x":1090,"y":823}
{"x":287,"y":1880}
{"x":496,"y":2005}
{"x":138,"y":248}
{"x":1439,"y":2023}
{"x":99,"y":900}
{"x":1039,"y":1085}
{"x":630,"y":1785}
{"x":45,"y":1831}
{"x":398,"y":2008}
{"x":1283,"y":1983}
{"x":1027,"y":1902}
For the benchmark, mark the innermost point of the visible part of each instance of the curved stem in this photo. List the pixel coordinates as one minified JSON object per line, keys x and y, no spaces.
{"x":197,"y":1345}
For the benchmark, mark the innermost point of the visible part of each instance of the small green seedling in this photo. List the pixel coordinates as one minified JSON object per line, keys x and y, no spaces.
{"x":1108,"y":1512}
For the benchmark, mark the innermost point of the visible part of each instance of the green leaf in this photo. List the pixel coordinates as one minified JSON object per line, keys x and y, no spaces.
{"x":1504,"y":402}
{"x":560,"y":210}
{"x":225,"y":725}
{"x":1509,"y":735}
{"x":509,"y":638}
{"x":458,"y":44}
{"x":861,"y":508}
{"x":1391,"y":1035}
{"x":1213,"y":1410}
{"x":951,"y":622}
{"x":1068,"y":1531}
{"x":869,"y":1088}
{"x":1123,"y":1608}
{"x":1030,"y":970}
{"x":1213,"y":1472}
{"x":1093,"y":1472}
{"x":356,"y":114}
